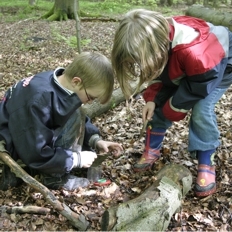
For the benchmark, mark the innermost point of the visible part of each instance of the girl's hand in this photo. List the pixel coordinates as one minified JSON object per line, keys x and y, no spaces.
{"x":106,"y":146}
{"x":148,"y":111}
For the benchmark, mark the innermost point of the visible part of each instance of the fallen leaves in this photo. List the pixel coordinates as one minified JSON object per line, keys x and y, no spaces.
{"x":21,"y":58}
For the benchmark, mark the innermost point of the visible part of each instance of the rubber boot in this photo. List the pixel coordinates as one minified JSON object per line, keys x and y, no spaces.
{"x":151,"y":152}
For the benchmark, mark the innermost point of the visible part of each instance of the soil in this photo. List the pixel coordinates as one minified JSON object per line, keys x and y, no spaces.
{"x":31,"y":46}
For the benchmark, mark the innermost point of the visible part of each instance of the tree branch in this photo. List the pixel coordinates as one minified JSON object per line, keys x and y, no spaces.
{"x":78,"y":221}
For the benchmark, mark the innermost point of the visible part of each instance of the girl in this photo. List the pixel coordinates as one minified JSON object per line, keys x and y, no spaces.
{"x":189,"y":62}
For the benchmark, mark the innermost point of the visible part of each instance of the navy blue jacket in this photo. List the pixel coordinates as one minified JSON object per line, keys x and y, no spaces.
{"x":30,"y":112}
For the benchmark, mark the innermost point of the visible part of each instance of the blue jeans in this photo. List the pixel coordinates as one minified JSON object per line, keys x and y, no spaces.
{"x":203,"y":129}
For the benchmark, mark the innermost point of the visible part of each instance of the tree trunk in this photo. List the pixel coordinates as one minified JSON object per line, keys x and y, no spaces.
{"x":214,"y":16}
{"x":32,"y":2}
{"x":153,"y":209}
{"x":62,"y":10}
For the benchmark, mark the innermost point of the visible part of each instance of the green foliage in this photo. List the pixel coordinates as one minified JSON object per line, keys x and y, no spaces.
{"x":16,"y":10}
{"x":20,"y":9}
{"x":40,"y":4}
{"x":71,"y":41}
{"x":108,"y":7}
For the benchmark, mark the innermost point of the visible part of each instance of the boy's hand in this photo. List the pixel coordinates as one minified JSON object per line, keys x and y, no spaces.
{"x":87,"y":158}
{"x":148,"y":111}
{"x":106,"y":146}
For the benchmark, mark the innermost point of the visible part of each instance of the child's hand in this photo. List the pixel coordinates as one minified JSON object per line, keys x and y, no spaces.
{"x":106,"y":146}
{"x":148,"y":111}
{"x":87,"y":158}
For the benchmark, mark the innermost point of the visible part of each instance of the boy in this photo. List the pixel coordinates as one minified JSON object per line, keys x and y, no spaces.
{"x":41,"y":122}
{"x":189,"y":62}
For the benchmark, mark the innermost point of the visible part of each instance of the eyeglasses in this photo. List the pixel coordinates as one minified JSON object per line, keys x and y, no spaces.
{"x":90,"y":98}
{"x":87,"y":95}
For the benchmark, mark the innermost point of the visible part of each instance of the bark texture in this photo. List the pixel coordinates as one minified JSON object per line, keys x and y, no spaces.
{"x":62,"y":10}
{"x":214,"y":16}
{"x":153,"y":209}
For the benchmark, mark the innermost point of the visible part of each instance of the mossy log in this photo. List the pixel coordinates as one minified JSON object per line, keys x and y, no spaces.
{"x":217,"y":17}
{"x":153,"y":209}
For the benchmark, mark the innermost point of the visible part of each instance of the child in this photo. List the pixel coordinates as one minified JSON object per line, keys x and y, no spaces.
{"x":189,"y":62}
{"x":41,"y":121}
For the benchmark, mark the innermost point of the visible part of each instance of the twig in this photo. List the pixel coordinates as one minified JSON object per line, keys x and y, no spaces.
{"x":28,"y":209}
{"x":78,"y":221}
{"x":205,"y":199}
{"x":143,"y":129}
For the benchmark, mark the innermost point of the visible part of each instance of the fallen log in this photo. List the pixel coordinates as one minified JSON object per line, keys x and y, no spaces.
{"x":216,"y":17}
{"x":96,"y":109}
{"x":78,"y":221}
{"x":153,"y":209}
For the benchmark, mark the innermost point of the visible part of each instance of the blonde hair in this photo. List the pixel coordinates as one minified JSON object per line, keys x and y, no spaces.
{"x":95,"y":70}
{"x":140,"y":48}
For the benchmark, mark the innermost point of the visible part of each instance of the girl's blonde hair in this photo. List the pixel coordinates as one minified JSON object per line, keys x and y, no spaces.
{"x":140,"y":48}
{"x":95,"y":70}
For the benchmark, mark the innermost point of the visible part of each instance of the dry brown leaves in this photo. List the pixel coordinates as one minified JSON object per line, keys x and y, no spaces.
{"x":22,"y":56}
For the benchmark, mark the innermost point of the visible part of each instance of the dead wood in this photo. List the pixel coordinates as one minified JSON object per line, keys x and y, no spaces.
{"x":96,"y":109}
{"x":153,"y":209}
{"x":99,"y":19}
{"x":78,"y":221}
{"x":216,"y":17}
{"x":28,"y":209}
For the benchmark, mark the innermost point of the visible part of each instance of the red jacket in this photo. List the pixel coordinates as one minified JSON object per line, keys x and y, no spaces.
{"x":198,"y":57}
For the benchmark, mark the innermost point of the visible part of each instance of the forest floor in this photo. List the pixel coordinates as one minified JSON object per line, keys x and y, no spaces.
{"x":31,"y":46}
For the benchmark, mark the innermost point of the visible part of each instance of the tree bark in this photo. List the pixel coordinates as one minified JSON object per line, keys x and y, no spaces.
{"x":214,"y":16}
{"x":64,"y":10}
{"x":153,"y":209}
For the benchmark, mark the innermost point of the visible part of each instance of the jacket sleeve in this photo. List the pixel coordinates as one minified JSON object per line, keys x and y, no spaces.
{"x":177,"y":100}
{"x":34,"y":140}
{"x":158,"y":93}
{"x":151,"y":92}
{"x":90,"y":130}
{"x":191,"y":90}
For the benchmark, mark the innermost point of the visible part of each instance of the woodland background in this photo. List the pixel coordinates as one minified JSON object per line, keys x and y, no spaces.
{"x":29,"y":44}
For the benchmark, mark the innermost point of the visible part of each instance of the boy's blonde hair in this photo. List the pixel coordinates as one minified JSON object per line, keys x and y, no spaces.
{"x":140,"y":48}
{"x":95,"y":70}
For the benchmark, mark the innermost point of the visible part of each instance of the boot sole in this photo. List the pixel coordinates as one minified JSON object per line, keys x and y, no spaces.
{"x":206,"y":193}
{"x":143,"y":169}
